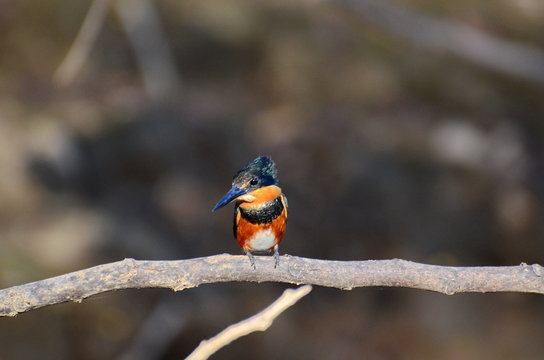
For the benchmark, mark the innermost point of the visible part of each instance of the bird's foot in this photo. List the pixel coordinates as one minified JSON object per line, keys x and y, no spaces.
{"x":276,"y":256}
{"x":251,"y":259}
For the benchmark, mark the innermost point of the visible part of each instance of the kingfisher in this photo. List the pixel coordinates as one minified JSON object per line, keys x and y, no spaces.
{"x":260,"y":208}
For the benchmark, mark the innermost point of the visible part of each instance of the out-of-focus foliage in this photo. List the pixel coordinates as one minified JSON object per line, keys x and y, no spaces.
{"x":384,"y":150}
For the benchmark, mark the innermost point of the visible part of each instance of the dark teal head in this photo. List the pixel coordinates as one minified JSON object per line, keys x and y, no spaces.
{"x":258,"y":173}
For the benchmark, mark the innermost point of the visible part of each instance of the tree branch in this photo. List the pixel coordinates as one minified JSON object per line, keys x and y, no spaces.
{"x":82,"y":45}
{"x":258,"y":322}
{"x":477,"y":46}
{"x":183,"y":274}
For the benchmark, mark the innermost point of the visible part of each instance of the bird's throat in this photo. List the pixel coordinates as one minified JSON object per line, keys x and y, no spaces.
{"x":257,"y":198}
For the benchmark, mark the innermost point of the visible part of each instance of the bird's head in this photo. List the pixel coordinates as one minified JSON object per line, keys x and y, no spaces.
{"x":259,"y":173}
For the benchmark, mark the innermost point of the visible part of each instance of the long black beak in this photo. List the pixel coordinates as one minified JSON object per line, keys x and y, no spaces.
{"x":229,"y":196}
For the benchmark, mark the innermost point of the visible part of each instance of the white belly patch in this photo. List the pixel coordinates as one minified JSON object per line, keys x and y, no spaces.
{"x":262,"y":240}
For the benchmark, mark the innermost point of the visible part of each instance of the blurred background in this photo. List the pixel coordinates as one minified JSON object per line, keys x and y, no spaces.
{"x":402,"y":129}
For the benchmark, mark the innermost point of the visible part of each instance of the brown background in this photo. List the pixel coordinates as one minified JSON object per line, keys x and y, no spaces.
{"x":386,"y":149}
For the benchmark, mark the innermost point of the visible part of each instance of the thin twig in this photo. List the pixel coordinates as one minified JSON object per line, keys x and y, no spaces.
{"x":184,"y":274}
{"x":82,"y":45}
{"x":143,"y":26}
{"x":258,"y":322}
{"x":470,"y":44}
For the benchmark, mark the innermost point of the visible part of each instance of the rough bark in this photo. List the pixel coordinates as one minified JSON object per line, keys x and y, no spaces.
{"x":183,"y":274}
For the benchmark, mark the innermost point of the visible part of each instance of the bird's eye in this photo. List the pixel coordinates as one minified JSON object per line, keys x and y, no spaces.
{"x":254,"y":181}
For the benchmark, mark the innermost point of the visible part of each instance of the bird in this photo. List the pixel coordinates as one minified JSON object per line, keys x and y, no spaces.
{"x":260,"y":208}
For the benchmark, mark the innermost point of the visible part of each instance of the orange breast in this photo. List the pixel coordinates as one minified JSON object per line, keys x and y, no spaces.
{"x":255,"y":237}
{"x":248,"y":234}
